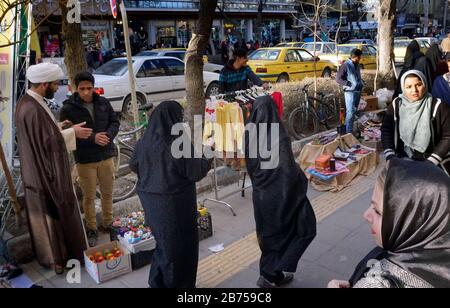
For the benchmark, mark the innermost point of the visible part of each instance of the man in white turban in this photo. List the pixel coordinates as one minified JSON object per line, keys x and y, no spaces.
{"x":54,"y":218}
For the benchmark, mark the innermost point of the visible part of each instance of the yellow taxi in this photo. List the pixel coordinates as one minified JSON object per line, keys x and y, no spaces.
{"x":283,"y":64}
{"x":369,"y":56}
{"x":401,"y":45}
{"x":290,"y":44}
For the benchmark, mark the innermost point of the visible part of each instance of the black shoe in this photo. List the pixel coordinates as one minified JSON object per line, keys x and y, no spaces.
{"x":284,"y":279}
{"x":92,"y":236}
{"x":288,"y":277}
{"x":265,"y":284}
{"x":105,"y":229}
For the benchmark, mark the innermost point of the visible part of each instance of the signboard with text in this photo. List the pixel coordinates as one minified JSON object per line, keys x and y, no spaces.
{"x":6,"y":82}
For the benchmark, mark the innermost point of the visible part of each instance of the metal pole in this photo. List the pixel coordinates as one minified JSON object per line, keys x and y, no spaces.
{"x":444,"y":24}
{"x":131,"y":76}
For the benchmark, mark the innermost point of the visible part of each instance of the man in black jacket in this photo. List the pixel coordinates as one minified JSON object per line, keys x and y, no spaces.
{"x":94,"y":156}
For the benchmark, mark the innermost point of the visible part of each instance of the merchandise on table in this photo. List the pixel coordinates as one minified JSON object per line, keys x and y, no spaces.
{"x":325,"y":138}
{"x":323,"y":162}
{"x":325,"y":170}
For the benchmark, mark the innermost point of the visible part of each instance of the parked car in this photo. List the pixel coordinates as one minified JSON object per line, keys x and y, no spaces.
{"x":321,"y":48}
{"x":157,"y":79}
{"x":369,"y":57}
{"x":362,"y":41}
{"x":282,"y":64}
{"x":429,"y":40}
{"x":290,"y":44}
{"x":180,"y":53}
{"x":400,"y":49}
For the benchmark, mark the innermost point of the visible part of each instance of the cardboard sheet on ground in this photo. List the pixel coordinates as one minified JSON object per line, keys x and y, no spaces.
{"x":364,"y":165}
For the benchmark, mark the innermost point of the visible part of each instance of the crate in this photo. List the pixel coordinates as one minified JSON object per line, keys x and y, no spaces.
{"x":107,"y":270}
{"x":114,"y":234}
{"x":204,"y":224}
{"x":144,"y":245}
{"x":141,"y":259}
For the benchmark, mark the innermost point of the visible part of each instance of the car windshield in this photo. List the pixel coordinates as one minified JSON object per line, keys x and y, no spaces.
{"x":265,"y":54}
{"x":283,"y":45}
{"x":346,"y":50}
{"x":147,"y":54}
{"x":310,"y":47}
{"x":401,"y":43}
{"x":113,"y":68}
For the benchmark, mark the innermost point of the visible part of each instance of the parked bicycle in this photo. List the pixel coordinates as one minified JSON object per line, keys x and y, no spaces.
{"x":126,"y":180}
{"x":313,"y":112}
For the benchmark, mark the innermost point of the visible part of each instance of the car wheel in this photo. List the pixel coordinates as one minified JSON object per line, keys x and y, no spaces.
{"x":283,"y":78}
{"x":127,"y":109}
{"x":212,"y":90}
{"x":326,"y":73}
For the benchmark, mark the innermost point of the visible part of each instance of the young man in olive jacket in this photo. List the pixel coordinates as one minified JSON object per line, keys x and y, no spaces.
{"x":94,"y":156}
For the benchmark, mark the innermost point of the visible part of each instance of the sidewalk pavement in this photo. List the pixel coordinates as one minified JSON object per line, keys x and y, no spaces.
{"x":343,"y":239}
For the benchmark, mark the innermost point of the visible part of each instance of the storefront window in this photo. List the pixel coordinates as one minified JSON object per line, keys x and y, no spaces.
{"x":166,"y":36}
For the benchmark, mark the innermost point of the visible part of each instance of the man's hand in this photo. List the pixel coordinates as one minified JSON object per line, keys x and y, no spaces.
{"x":101,"y":139}
{"x":65,"y":124}
{"x":82,"y":132}
{"x":338,"y":284}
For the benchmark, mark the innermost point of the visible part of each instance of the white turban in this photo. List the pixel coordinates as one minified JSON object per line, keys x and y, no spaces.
{"x":44,"y":72}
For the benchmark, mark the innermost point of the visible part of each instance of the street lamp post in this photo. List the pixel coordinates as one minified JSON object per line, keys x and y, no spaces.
{"x":131,"y":76}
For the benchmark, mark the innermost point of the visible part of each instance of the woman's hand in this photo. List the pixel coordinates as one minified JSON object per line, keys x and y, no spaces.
{"x":338,"y":284}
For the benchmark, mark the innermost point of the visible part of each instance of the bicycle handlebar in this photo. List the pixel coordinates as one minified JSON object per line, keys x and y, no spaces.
{"x":131,"y":132}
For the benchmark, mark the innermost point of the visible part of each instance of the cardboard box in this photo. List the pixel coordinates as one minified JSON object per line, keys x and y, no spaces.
{"x":107,"y":270}
{"x":372,"y":102}
{"x":323,"y":162}
{"x":144,"y":245}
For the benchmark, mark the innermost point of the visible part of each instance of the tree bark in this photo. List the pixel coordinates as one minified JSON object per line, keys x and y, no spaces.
{"x":74,"y":53}
{"x":386,"y":42}
{"x":195,"y":93}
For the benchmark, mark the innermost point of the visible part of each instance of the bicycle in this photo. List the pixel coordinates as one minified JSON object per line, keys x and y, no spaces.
{"x":6,"y":204}
{"x":306,"y":119}
{"x":125,"y":183}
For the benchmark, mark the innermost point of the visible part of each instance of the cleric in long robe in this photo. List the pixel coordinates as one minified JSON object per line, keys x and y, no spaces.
{"x":54,"y":218}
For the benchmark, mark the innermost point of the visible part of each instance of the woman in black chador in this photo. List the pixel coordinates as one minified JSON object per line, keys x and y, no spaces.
{"x":166,"y":188}
{"x":285,"y":221}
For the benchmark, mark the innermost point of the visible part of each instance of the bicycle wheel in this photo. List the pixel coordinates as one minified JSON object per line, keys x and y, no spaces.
{"x":125,"y":182}
{"x":328,"y":113}
{"x":303,"y":123}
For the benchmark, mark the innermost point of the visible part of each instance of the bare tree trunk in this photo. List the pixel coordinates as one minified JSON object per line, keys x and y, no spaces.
{"x":74,"y":53}
{"x":194,"y":61}
{"x":386,"y":42}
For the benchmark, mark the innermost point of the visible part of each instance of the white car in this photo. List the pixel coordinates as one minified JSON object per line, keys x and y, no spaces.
{"x":180,"y":54}
{"x":157,"y":79}
{"x":322,"y":48}
{"x":429,"y":40}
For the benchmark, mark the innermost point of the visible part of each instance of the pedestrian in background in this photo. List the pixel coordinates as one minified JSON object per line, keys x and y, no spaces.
{"x":349,"y":77}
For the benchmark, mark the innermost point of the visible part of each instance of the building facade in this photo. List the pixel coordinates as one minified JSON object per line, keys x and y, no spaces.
{"x":171,"y":22}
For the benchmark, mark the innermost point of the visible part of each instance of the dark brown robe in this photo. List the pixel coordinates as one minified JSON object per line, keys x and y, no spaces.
{"x":55,"y":222}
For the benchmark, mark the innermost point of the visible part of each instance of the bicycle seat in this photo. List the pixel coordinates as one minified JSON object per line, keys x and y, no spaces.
{"x":146,"y":107}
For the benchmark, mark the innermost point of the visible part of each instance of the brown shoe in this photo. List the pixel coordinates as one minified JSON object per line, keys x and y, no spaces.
{"x":105,"y":229}
{"x":59,"y":269}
